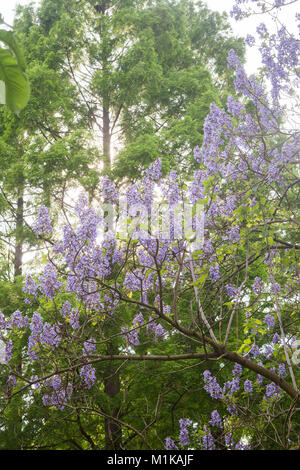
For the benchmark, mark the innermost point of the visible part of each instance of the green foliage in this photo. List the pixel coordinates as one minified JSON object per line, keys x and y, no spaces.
{"x":16,"y":90}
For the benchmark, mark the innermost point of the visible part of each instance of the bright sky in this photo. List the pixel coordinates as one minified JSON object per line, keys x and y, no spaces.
{"x":242,"y":28}
{"x":7,"y":8}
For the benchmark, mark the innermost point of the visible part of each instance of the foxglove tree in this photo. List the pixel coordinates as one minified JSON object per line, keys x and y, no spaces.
{"x":138,"y":280}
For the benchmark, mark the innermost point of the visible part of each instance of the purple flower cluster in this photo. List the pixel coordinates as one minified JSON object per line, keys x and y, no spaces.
{"x":157,"y":329}
{"x":133,"y":281}
{"x":71,"y":314}
{"x":109,"y":191}
{"x":215,"y":419}
{"x":48,"y":282}
{"x":231,"y":290}
{"x":89,"y":347}
{"x":257,"y":285}
{"x":30,"y":286}
{"x":272,"y":392}
{"x":88,"y":374}
{"x":60,"y":394}
{"x":50,"y":335}
{"x":208,"y":440}
{"x":170,"y":444}
{"x":11,"y":382}
{"x":42,"y":224}
{"x":154,"y":171}
{"x":237,"y":370}
{"x":8,"y":351}
{"x":132,"y":336}
{"x":270,"y":321}
{"x":214,"y":273}
{"x":211,"y":385}
{"x":17,"y":320}
{"x":248,"y":386}
{"x":42,"y":333}
{"x":184,"y":438}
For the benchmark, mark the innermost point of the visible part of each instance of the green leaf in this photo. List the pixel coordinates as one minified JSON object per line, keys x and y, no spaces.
{"x":8,"y":38}
{"x":14,"y":89}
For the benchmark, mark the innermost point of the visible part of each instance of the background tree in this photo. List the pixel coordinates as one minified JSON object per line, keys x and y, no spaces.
{"x":133,"y":64}
{"x":214,"y":308}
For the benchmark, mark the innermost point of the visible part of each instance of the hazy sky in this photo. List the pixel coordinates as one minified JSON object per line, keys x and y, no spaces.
{"x":241,"y":28}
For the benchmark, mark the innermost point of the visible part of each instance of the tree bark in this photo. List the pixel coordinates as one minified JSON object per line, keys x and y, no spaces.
{"x":18,"y":256}
{"x":113,"y":430}
{"x":106,"y":139}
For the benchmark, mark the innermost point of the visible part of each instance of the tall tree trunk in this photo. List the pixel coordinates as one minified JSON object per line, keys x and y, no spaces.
{"x":18,"y":256}
{"x":106,"y":138}
{"x":113,"y":430}
{"x":112,"y":386}
{"x":15,"y":421}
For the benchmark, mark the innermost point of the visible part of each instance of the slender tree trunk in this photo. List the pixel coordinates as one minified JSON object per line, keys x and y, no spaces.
{"x":106,"y":138}
{"x":113,"y":430}
{"x":15,"y":419}
{"x":18,"y":257}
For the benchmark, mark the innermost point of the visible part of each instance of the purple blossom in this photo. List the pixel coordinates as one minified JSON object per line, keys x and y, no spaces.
{"x":235,"y":107}
{"x":133,"y":281}
{"x":248,"y":386}
{"x":109,"y":191}
{"x":36,"y":325}
{"x":3,"y":323}
{"x":237,"y":370}
{"x":215,"y":419}
{"x":197,"y":154}
{"x":211,"y":385}
{"x":171,"y":189}
{"x":231,"y":290}
{"x":254,"y":351}
{"x":282,"y":370}
{"x":74,"y":319}
{"x":31,"y":286}
{"x":132,"y":336}
{"x":66,"y":309}
{"x":233,"y":235}
{"x":270,"y":321}
{"x":170,"y":444}
{"x":42,"y":224}
{"x":259,"y":379}
{"x":36,"y":385}
{"x":232,"y":59}
{"x":257,"y":285}
{"x":8,"y":351}
{"x":272,"y":391}
{"x":50,"y":335}
{"x":233,"y":385}
{"x":276,"y":339}
{"x":17,"y":320}
{"x":89,"y":347}
{"x":242,"y":446}
{"x":268,"y":351}
{"x":275,"y":287}
{"x":154,"y":171}
{"x":184,"y":438}
{"x":250,"y":40}
{"x":214,"y":273}
{"x":11,"y":382}
{"x":88,"y":373}
{"x":208,"y":440}
{"x":196,"y":191}
{"x":229,"y":442}
{"x":56,"y":382}
{"x":49,"y":284}
{"x":138,"y":319}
